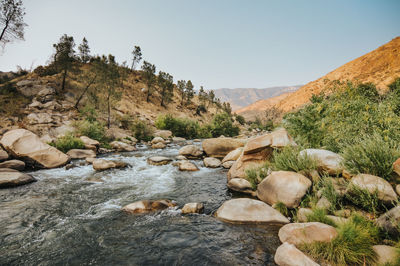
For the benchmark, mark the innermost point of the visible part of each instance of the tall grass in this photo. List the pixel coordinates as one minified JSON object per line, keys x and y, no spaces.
{"x":319,"y":215}
{"x":68,"y":142}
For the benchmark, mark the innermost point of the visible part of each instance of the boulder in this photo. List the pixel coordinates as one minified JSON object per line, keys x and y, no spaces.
{"x":63,"y":130}
{"x":47,"y":139}
{"x":398,"y":189}
{"x":187,"y":166}
{"x":212,"y":162}
{"x":373,"y":183}
{"x":390,"y":221}
{"x":283,"y":186}
{"x":178,"y":140}
{"x":193,"y":208}
{"x":3,"y":155}
{"x":158,"y":160}
{"x":118,"y":133}
{"x":276,"y":139}
{"x":302,"y":214}
{"x":81,"y":154}
{"x":27,"y":146}
{"x":220,"y":147}
{"x":248,"y":161}
{"x":233,"y":155}
{"x":90,"y":160}
{"x":246,"y":210}
{"x":191,"y":151}
{"x":228,"y":164}
{"x":14,"y":178}
{"x":288,"y":255}
{"x":165,"y":134}
{"x":122,"y":147}
{"x":29,"y":88}
{"x":299,"y":233}
{"x":180,"y":157}
{"x":90,"y":143}
{"x":146,"y":206}
{"x":328,"y":161}
{"x":101,"y":164}
{"x":385,"y":254}
{"x":39,"y":118}
{"x":323,"y":203}
{"x":396,"y":166}
{"x":13,"y":164}
{"x":241,"y":185}
{"x":158,"y":145}
{"x":157,"y":140}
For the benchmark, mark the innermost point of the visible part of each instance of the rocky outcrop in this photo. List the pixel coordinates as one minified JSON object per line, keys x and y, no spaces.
{"x":233,"y":155}
{"x":328,"y":161}
{"x":81,"y":154}
{"x":159,"y":160}
{"x":373,"y":184}
{"x":122,"y":147}
{"x":193,"y":208}
{"x":191,"y":151}
{"x":115,"y":133}
{"x":146,"y":206}
{"x":101,"y":164}
{"x":28,"y":147}
{"x":385,"y":254}
{"x":220,"y":147}
{"x":288,"y":255}
{"x":390,"y":221}
{"x":246,"y":210}
{"x":283,"y":186}
{"x":241,"y":185}
{"x":187,"y":166}
{"x":14,"y":178}
{"x":13,"y":164}
{"x":299,"y":233}
{"x":211,"y":162}
{"x":276,"y":139}
{"x":165,"y":134}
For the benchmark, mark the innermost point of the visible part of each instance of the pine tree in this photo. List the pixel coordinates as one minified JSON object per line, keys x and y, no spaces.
{"x":189,"y":92}
{"x":181,"y":84}
{"x":11,"y":21}
{"x":84,"y":51}
{"x":166,"y":85}
{"x":64,"y":56}
{"x":149,"y":71}
{"x":137,"y":57}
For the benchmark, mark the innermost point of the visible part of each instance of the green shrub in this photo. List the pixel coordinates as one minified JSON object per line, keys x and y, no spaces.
{"x":253,"y":176}
{"x":352,"y":246}
{"x":289,"y":159}
{"x":180,"y":127}
{"x":240,"y":119}
{"x":68,"y":142}
{"x":94,"y":130}
{"x":328,"y":191}
{"x":222,"y":124}
{"x":142,"y":131}
{"x":319,"y":215}
{"x":281,"y":207}
{"x":364,"y":199}
{"x":89,"y":113}
{"x":373,"y":155}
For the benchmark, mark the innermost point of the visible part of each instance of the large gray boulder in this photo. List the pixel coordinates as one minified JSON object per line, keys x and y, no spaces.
{"x":14,"y":178}
{"x":374,"y":184}
{"x":283,"y":186}
{"x":288,"y":255}
{"x":300,"y":233}
{"x":328,"y":161}
{"x":28,"y":147}
{"x":246,"y":210}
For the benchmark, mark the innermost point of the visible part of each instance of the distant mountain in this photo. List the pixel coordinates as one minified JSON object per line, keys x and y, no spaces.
{"x":242,"y":97}
{"x":381,"y":67}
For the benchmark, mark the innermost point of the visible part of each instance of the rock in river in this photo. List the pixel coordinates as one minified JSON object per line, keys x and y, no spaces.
{"x":193,"y":207}
{"x":298,"y":233}
{"x":220,"y":147}
{"x":191,"y":151}
{"x":14,"y":178}
{"x":81,"y":154}
{"x":13,"y":164}
{"x":246,"y":210}
{"x":145,"y":206}
{"x":101,"y":164}
{"x":158,"y":160}
{"x":211,"y":162}
{"x":288,"y":255}
{"x":187,"y":166}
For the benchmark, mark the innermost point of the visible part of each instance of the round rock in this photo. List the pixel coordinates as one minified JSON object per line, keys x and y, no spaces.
{"x":158,"y":160}
{"x":211,"y":162}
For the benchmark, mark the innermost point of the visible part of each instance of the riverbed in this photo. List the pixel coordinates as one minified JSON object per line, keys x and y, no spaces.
{"x":74,"y":217}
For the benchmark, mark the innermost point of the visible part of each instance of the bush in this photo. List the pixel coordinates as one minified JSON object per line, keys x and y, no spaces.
{"x":352,"y":246}
{"x":142,"y":131}
{"x":68,"y":142}
{"x":364,"y":199}
{"x":222,"y":124}
{"x":180,"y":127}
{"x":289,"y":159}
{"x":328,"y":191}
{"x":94,"y":130}
{"x":373,"y":155}
{"x":240,"y":119}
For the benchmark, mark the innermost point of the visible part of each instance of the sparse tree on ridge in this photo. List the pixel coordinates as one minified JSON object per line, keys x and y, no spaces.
{"x":64,"y":56}
{"x":202,"y":95}
{"x":189,"y":92}
{"x":211,"y":97}
{"x":149,"y":71}
{"x":12,"y":22}
{"x":181,"y":84}
{"x":84,"y":51}
{"x":137,"y":57}
{"x":166,"y":84}
{"x":226,"y":107}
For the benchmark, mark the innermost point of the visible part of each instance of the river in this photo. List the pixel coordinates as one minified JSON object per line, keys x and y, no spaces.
{"x":74,"y":217}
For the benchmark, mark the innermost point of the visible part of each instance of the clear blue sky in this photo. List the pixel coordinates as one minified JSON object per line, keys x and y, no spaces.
{"x":215,"y":43}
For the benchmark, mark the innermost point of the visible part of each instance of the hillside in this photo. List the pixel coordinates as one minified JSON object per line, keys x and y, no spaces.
{"x":381,"y":67}
{"x":242,"y":97}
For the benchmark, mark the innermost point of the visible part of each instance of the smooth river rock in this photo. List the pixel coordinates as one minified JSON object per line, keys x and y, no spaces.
{"x":187,"y":166}
{"x":146,"y":206}
{"x":279,"y":138}
{"x":228,"y":164}
{"x":193,"y":207}
{"x":159,"y":160}
{"x":122,"y":146}
{"x":233,"y":155}
{"x":299,"y":233}
{"x":328,"y":161}
{"x":165,"y":134}
{"x":220,"y":147}
{"x":90,"y":144}
{"x":28,"y":147}
{"x":13,"y":164}
{"x":101,"y":164}
{"x":211,"y":162}
{"x":191,"y":151}
{"x":81,"y":154}
{"x":283,"y":186}
{"x":385,"y":254}
{"x":246,"y":210}
{"x":14,"y":178}
{"x":3,"y":155}
{"x":241,"y":185}
{"x":374,"y":183}
{"x":288,"y":255}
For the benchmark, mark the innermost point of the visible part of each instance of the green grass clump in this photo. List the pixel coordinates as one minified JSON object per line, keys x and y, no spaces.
{"x":68,"y":142}
{"x":352,"y":246}
{"x":289,"y":159}
{"x":365,"y":200}
{"x":142,"y":131}
{"x":92,"y":129}
{"x":373,"y":155}
{"x":319,"y":215}
{"x":252,"y":175}
{"x":329,"y":192}
{"x":281,"y":207}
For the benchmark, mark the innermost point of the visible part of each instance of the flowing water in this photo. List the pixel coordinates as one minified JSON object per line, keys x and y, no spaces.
{"x":74,"y":217}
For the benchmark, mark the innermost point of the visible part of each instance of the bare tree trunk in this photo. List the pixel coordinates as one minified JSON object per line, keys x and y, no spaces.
{"x":148,"y":94}
{"x":109,"y":111}
{"x":84,"y":92}
{"x":63,"y":81}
